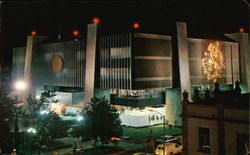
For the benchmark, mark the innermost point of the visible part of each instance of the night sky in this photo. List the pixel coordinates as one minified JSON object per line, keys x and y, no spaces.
{"x":205,"y":18}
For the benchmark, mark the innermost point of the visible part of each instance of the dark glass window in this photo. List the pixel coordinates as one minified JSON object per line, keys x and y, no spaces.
{"x":243,"y":144}
{"x":204,"y":140}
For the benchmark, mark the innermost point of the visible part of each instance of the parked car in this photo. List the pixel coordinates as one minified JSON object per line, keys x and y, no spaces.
{"x":170,"y":148}
{"x":168,"y":138}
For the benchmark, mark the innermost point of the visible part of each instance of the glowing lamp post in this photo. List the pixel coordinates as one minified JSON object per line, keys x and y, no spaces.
{"x":20,"y":85}
{"x":79,"y":118}
{"x":31,"y":130}
{"x":44,"y":112}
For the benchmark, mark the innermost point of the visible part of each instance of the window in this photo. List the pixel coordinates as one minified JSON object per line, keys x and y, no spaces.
{"x":243,"y":144}
{"x":204,"y":140}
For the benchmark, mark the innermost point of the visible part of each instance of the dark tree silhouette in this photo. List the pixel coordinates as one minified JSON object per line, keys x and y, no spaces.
{"x":101,"y":121}
{"x":48,"y":127}
{"x":5,"y":118}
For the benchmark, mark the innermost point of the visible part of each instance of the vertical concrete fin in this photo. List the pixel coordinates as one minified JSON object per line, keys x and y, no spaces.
{"x":31,"y":41}
{"x":244,"y":44}
{"x":28,"y":58}
{"x":90,"y":63}
{"x":183,"y":57}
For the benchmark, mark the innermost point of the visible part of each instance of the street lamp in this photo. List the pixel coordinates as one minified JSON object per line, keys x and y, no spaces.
{"x":31,"y":130}
{"x":79,"y":118}
{"x":19,"y":86}
{"x":44,"y":112}
{"x":164,"y":127}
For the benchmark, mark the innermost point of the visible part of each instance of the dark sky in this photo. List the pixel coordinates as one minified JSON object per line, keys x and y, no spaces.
{"x":205,"y":18}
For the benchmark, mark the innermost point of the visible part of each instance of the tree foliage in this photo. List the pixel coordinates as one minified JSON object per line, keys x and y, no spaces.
{"x":48,"y":96}
{"x":5,"y":117}
{"x":101,"y":121}
{"x":48,"y":126}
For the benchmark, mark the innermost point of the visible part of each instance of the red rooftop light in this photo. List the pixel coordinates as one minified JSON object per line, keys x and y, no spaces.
{"x":242,"y":30}
{"x":96,"y":20}
{"x":136,"y":25}
{"x":33,"y":32}
{"x":75,"y":33}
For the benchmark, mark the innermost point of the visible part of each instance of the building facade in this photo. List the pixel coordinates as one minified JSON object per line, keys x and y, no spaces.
{"x":133,"y":70}
{"x":217,"y":124}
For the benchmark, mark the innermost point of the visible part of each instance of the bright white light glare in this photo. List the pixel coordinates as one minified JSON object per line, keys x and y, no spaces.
{"x":79,"y":118}
{"x":44,"y":112}
{"x":20,"y":85}
{"x":31,"y":130}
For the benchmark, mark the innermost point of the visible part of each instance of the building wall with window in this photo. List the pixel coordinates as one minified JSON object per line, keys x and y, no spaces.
{"x":217,"y":125}
{"x":135,"y":61}
{"x":126,"y":66}
{"x":236,"y":132}
{"x":194,"y":144}
{"x":59,"y":64}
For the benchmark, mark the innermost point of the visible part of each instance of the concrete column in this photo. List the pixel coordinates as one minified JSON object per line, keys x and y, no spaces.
{"x":242,"y":38}
{"x":28,"y":58}
{"x":31,"y":41}
{"x":221,"y":129}
{"x":90,"y":63}
{"x":183,"y":57}
{"x":173,"y":106}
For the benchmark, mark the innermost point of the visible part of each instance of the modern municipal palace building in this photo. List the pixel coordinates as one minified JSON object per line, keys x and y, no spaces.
{"x":137,"y":72}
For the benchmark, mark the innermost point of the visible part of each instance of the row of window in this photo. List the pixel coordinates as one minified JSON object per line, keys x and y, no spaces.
{"x":204,"y":142}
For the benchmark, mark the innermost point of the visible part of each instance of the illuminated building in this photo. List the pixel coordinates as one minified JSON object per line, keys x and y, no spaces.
{"x":133,"y":70}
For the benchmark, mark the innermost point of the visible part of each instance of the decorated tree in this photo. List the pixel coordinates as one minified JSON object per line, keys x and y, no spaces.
{"x":213,"y":62}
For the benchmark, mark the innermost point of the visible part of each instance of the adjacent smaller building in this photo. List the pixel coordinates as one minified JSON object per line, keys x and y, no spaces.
{"x":216,"y":124}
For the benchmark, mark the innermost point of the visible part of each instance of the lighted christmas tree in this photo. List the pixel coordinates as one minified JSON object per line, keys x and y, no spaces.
{"x":213,"y":62}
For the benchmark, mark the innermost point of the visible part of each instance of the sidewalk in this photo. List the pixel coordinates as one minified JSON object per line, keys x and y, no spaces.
{"x":138,"y":143}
